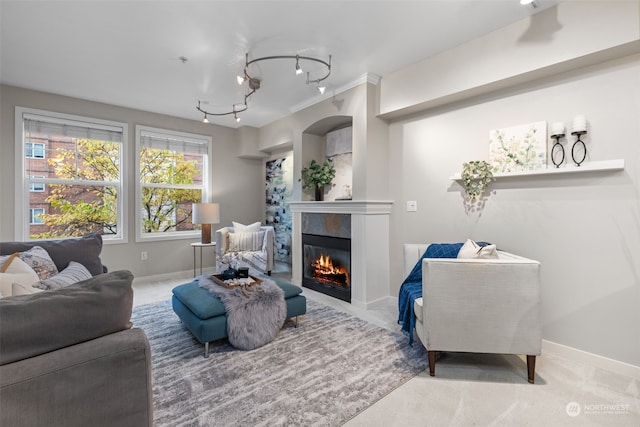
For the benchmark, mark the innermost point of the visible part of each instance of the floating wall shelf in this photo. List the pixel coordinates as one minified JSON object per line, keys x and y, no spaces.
{"x":607,"y":165}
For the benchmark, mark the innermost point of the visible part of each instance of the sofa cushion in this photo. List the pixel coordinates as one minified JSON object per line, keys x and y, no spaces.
{"x":47,"y":321}
{"x":85,"y":250}
{"x":74,"y":273}
{"x":17,"y":271}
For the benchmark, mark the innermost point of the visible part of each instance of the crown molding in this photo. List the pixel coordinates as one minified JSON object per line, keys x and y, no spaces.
{"x":374,"y":79}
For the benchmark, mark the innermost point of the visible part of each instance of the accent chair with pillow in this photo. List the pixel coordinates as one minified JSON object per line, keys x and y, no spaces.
{"x":242,"y":245}
{"x":473,"y":298}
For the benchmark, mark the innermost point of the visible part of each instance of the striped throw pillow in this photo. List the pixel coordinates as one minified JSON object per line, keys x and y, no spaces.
{"x":74,"y":273}
{"x":239,"y":242}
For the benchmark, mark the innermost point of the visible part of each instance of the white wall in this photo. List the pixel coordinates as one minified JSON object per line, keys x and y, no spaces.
{"x":238,"y":184}
{"x":584,"y":229}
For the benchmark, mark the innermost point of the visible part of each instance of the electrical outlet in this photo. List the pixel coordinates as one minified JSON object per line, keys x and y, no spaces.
{"x":143,"y":255}
{"x":412,"y":206}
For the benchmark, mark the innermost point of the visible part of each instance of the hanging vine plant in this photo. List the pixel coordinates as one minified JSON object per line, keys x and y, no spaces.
{"x":476,"y":176}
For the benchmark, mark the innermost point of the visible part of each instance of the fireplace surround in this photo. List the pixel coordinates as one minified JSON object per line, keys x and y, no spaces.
{"x":369,"y":232}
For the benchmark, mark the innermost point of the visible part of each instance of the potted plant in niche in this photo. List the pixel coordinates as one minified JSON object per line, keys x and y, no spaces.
{"x":316,"y":176}
{"x":476,"y":176}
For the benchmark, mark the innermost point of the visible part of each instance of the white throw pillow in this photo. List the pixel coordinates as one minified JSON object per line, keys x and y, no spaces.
{"x":17,"y":271}
{"x":241,"y":228}
{"x":239,"y":242}
{"x":20,"y":289}
{"x":74,"y":273}
{"x":471,"y":250}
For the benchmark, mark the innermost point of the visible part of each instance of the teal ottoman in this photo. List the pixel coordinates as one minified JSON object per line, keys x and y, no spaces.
{"x":204,"y":314}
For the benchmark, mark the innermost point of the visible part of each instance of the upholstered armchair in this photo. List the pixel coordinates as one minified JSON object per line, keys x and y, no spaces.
{"x":478,"y":305}
{"x":253,"y":249}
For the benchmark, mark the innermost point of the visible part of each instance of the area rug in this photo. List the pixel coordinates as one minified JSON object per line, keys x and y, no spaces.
{"x":322,"y":373}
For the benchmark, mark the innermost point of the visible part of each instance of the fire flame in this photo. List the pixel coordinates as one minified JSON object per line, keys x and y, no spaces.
{"x":324,"y":269}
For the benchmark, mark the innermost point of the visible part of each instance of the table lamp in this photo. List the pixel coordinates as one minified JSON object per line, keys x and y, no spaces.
{"x":205,"y":214}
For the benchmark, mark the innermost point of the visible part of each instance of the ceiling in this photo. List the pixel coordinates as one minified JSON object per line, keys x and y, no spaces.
{"x":127,"y":53}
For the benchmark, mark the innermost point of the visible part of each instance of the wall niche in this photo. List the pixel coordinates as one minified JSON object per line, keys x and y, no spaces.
{"x":331,"y":138}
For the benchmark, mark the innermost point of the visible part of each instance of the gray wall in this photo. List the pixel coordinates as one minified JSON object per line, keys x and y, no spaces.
{"x":584,"y":229}
{"x":236,"y":181}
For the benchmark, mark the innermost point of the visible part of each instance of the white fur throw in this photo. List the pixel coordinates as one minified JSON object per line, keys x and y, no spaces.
{"x":255,"y":314}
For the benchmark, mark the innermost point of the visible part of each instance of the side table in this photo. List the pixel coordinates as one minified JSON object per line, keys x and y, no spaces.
{"x":200,"y":245}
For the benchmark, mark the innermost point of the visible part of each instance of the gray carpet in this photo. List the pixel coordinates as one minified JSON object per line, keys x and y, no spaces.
{"x":322,"y":373}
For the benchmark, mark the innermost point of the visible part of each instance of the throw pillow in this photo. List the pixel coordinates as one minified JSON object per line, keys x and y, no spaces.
{"x":21,"y":289}
{"x":17,"y":271}
{"x":471,"y":250}
{"x":241,"y":228}
{"x":239,"y":242}
{"x":74,"y":273}
{"x":39,"y":259}
{"x":85,"y":250}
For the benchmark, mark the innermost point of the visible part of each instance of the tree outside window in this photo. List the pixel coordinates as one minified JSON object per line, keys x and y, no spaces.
{"x":173,"y":174}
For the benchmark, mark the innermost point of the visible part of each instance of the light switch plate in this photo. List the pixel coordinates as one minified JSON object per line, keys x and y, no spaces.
{"x":412,"y":206}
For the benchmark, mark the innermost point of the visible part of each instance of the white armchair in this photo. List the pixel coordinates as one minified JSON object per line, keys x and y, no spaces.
{"x":253,"y":250}
{"x":478,"y":305}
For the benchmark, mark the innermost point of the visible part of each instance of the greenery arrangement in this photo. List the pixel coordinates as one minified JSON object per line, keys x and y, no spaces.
{"x":315,"y":176}
{"x":476,"y":176}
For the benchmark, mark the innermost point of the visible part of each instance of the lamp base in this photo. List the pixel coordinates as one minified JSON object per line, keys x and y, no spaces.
{"x":206,"y":233}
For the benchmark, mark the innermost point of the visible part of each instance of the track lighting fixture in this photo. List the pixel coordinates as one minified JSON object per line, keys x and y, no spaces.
{"x":254,"y":82}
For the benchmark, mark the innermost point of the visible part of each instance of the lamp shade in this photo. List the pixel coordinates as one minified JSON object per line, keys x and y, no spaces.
{"x":205,"y":214}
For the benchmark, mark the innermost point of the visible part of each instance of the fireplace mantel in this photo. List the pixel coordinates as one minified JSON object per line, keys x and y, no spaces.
{"x":363,"y":207}
{"x":369,"y":245}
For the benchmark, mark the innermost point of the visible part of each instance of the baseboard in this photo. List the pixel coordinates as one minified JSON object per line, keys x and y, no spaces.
{"x":595,"y":360}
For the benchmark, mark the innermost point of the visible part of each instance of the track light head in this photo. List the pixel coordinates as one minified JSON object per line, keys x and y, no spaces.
{"x":298,"y":69}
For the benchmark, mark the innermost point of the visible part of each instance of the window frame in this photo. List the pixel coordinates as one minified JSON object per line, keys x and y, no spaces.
{"x":32,"y":185}
{"x":32,"y":215}
{"x":33,"y":151}
{"x":22,"y":196}
{"x":206,"y":180}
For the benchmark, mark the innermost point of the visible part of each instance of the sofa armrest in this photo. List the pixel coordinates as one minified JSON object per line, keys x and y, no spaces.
{"x":482,"y":305}
{"x":106,"y":381}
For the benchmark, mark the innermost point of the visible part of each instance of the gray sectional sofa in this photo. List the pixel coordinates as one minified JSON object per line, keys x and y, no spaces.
{"x":69,"y":357}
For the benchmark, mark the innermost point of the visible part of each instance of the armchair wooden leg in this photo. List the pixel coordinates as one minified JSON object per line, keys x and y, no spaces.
{"x":531,"y":367}
{"x":431,"y":355}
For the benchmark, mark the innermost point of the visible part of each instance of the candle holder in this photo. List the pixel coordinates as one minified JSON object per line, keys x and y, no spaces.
{"x":557,"y":148}
{"x":577,"y":145}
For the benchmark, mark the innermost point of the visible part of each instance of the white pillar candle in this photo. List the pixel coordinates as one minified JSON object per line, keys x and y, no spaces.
{"x":579,"y":124}
{"x":557,"y":128}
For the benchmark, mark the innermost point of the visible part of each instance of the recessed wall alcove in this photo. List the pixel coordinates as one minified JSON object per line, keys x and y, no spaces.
{"x":331,"y":138}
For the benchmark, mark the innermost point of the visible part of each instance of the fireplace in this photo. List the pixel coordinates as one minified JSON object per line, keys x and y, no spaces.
{"x":327,"y":265}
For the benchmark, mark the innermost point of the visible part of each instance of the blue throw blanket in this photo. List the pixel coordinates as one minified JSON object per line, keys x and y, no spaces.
{"x":411,"y":288}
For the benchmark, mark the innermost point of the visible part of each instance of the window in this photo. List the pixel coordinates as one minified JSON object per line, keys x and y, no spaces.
{"x":173,"y":173}
{"x":71,"y":174}
{"x":35,"y":216}
{"x":34,"y":150}
{"x":36,"y":187}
